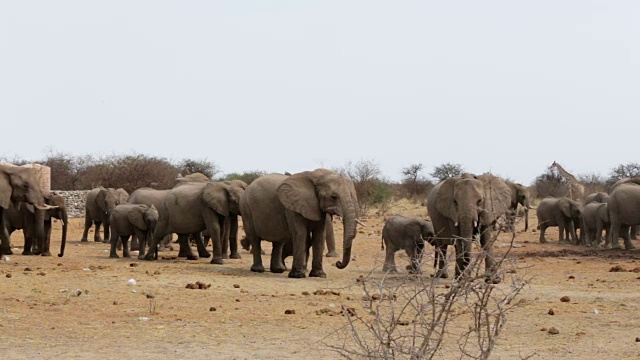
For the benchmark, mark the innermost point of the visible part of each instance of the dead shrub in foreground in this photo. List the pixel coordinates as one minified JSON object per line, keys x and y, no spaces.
{"x":418,"y":317}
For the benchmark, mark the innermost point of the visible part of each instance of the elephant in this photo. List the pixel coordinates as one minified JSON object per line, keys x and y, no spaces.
{"x":192,"y":207}
{"x":408,"y":234}
{"x":129,"y":219}
{"x":288,"y":209}
{"x":23,"y":218}
{"x":98,"y":207}
{"x":561,"y":212}
{"x":597,"y":197}
{"x":149,"y":197}
{"x":462,"y":207}
{"x":519,"y":195}
{"x":624,"y":211}
{"x":18,"y":184}
{"x":595,"y":218}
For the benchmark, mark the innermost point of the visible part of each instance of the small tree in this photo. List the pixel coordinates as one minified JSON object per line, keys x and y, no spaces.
{"x":623,"y":171}
{"x":203,"y":166}
{"x":247,"y":176}
{"x":414,"y":183}
{"x":550,"y":184}
{"x":446,"y":171}
{"x":365,"y":175}
{"x":593,"y":183}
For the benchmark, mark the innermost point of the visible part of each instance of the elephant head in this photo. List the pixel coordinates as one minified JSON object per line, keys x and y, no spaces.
{"x":520,"y":195}
{"x":108,"y":199}
{"x":146,"y":218}
{"x":472,"y":202}
{"x":222,"y":198}
{"x":60,"y":213}
{"x":428,"y":232}
{"x":570,"y":208}
{"x":313,"y":194}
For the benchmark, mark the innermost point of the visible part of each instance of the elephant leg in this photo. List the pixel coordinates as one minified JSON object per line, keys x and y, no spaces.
{"x":125,"y":245}
{"x":317,"y":243}
{"x":561,"y":231}
{"x":626,"y":236}
{"x":486,"y":240}
{"x":114,"y":243}
{"x":256,"y":251}
{"x":615,"y":233}
{"x":87,"y":225}
{"x":440,"y":261}
{"x":135,"y":245}
{"x":233,"y":237}
{"x":161,"y":230}
{"x":463,"y":258}
{"x":202,"y":251}
{"x":46,"y":241}
{"x":633,"y":232}
{"x":330,"y":238}
{"x":185,"y":247}
{"x":277,"y":264}
{"x":414,"y":266}
{"x":299,"y":232}
{"x":214,"y":223}
{"x":543,"y":228}
{"x":389,"y":260}
{"x":96,"y":235}
{"x":224,"y":237}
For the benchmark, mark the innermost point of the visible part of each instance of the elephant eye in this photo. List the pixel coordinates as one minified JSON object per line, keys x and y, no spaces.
{"x":334,"y":197}
{"x":479,"y":202}
{"x":455,"y":202}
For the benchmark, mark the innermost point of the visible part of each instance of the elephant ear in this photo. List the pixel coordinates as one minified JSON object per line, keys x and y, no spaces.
{"x":444,"y":199}
{"x":123,"y":195}
{"x":565,"y":206}
{"x":497,"y":198}
{"x":137,"y":217}
{"x":298,"y":193}
{"x":101,"y":199}
{"x":5,"y":190}
{"x":216,"y":196}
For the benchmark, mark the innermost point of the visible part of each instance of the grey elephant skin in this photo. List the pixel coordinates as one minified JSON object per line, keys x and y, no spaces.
{"x":409,"y":234}
{"x":561,"y":212}
{"x":595,"y":218}
{"x":18,"y":184}
{"x":192,"y":207}
{"x":23,"y":218}
{"x":462,"y":207}
{"x":131,"y":219}
{"x":98,"y":207}
{"x":289,"y":209}
{"x":519,"y":196}
{"x":624,"y":210}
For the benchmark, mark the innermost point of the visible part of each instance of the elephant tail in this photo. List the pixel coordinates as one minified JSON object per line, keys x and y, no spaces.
{"x":382,"y":245}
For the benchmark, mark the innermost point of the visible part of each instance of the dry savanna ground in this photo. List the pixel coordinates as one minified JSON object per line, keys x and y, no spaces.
{"x":81,"y":305}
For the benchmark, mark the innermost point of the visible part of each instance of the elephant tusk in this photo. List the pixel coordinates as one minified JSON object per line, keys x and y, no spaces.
{"x":475,"y":224}
{"x":456,"y":224}
{"x":361,"y":223}
{"x":45,"y":207}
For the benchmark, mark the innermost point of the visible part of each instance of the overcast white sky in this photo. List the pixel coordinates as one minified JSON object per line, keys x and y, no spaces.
{"x":505,"y":86}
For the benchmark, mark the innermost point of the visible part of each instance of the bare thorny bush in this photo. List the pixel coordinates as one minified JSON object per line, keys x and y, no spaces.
{"x":419,"y":317}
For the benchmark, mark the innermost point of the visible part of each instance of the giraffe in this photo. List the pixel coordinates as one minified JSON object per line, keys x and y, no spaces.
{"x":576,"y":189}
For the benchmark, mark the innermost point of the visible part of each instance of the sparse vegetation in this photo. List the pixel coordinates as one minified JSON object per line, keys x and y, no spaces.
{"x":446,"y":171}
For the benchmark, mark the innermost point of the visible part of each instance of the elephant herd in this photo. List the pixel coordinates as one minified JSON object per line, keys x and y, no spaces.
{"x":617,"y":213}
{"x":294,"y":212}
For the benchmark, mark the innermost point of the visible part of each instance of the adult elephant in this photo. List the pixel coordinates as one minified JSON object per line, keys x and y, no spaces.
{"x":18,"y":184}
{"x":23,"y":218}
{"x":519,"y":195}
{"x":624,"y":211}
{"x":192,"y":207}
{"x":287,"y":209}
{"x":597,"y":197}
{"x":561,"y":212}
{"x":98,"y":207}
{"x":463,"y":207}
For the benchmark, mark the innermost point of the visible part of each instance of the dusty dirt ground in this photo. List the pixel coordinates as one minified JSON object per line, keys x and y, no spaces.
{"x":42,"y":316}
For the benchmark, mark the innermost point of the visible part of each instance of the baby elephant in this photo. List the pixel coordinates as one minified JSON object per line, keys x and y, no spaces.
{"x":595,"y":218}
{"x":406,"y":233}
{"x":560,"y":212}
{"x":132,"y":219}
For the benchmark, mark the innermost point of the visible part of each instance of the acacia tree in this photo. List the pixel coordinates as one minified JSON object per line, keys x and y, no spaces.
{"x":413,"y":181}
{"x":623,"y":171}
{"x":447,"y":170}
{"x":203,"y":166}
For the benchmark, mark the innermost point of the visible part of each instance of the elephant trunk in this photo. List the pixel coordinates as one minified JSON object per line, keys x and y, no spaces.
{"x":65,"y":226}
{"x":349,"y":222}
